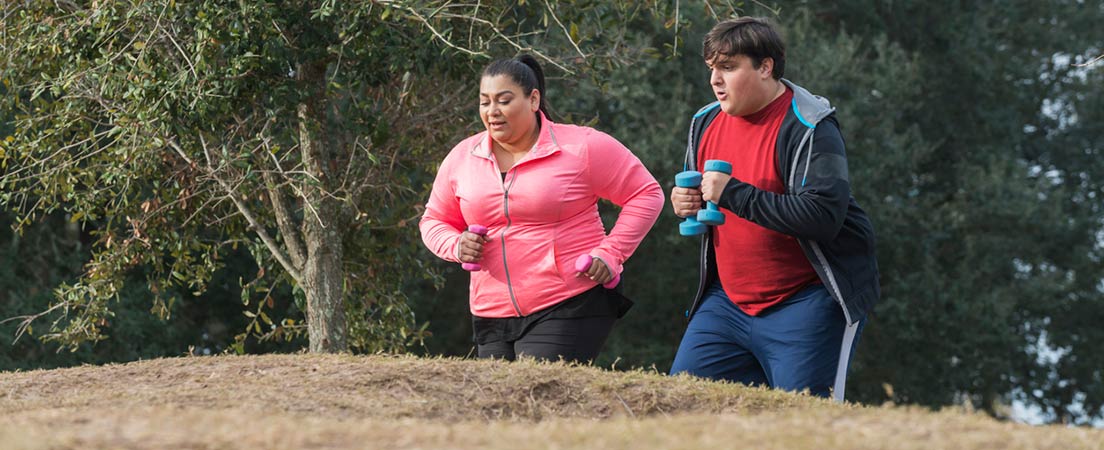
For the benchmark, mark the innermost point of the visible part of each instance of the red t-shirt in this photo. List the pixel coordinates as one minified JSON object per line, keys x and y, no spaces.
{"x":758,"y":267}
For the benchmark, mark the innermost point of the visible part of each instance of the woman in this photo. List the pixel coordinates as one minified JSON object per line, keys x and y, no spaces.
{"x":535,"y":185}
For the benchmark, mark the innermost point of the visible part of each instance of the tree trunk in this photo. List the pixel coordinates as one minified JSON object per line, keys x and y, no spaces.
{"x":323,"y":275}
{"x":324,"y":284}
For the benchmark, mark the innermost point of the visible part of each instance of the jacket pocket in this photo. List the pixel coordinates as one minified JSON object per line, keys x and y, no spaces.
{"x":534,"y":272}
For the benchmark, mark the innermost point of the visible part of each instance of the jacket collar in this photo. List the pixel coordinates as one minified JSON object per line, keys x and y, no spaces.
{"x":809,"y":108}
{"x":546,"y":142}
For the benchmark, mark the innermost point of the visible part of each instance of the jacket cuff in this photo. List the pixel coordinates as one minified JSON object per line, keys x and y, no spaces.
{"x":612,"y":262}
{"x":454,"y":255}
{"x":730,"y":196}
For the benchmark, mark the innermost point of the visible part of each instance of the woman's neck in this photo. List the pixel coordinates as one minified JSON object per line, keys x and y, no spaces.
{"x":521,"y":147}
{"x":509,"y":154}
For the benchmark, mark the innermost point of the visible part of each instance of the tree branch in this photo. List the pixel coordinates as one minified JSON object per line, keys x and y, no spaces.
{"x":513,"y":43}
{"x":285,"y":221}
{"x":567,"y":33}
{"x":25,"y":321}
{"x":258,"y":228}
{"x":413,"y":12}
{"x":1090,"y":62}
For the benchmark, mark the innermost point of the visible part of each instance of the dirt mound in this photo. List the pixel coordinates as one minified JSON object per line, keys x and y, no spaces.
{"x":383,"y":387}
{"x":342,"y":401}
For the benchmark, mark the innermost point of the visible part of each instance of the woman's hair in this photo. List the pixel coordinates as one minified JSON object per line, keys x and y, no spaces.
{"x":523,"y":70}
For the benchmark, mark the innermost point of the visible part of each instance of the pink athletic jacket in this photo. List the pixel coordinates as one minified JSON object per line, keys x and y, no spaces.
{"x":542,"y":217}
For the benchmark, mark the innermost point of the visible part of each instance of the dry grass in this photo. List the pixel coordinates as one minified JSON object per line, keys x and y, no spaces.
{"x":307,"y":401}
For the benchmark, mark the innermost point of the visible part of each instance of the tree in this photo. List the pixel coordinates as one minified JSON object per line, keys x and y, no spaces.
{"x":53,"y":250}
{"x":990,"y":235}
{"x":973,"y":138}
{"x":302,"y":131}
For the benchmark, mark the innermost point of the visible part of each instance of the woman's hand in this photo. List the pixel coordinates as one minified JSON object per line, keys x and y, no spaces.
{"x":598,"y":272}
{"x":471,"y":247}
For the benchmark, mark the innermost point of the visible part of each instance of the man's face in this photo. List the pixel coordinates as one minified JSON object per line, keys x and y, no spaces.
{"x":741,"y":88}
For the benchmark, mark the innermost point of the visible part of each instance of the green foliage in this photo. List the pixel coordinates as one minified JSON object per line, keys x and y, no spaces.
{"x":974,"y":146}
{"x":973,"y":143}
{"x":987,"y":212}
{"x":181,"y":131}
{"x":52,"y":251}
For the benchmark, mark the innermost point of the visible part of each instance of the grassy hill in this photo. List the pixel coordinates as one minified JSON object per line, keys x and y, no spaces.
{"x":342,"y":401}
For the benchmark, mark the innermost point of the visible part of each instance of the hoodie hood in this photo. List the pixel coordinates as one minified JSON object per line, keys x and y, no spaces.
{"x":809,"y":108}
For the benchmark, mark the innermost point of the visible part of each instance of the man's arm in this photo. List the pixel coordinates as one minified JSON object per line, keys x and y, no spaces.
{"x":819,"y":204}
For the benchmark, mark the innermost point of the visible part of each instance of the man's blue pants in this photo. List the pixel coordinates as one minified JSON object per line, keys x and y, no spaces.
{"x":801,"y":343}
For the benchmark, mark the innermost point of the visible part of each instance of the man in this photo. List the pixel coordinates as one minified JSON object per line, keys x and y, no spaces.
{"x":788,"y":279}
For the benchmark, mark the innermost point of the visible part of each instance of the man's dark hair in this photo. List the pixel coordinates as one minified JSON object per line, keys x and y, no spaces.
{"x":749,"y":36}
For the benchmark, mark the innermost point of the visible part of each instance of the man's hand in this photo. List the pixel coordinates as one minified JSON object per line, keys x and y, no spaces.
{"x":686,"y":201}
{"x":713,"y":184}
{"x":471,"y":247}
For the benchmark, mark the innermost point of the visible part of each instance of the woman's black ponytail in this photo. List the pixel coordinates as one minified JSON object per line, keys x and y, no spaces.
{"x":523,"y":70}
{"x":530,"y":61}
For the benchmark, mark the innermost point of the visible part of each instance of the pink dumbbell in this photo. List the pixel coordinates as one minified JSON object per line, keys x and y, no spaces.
{"x":583,"y":264}
{"x":482,"y":231}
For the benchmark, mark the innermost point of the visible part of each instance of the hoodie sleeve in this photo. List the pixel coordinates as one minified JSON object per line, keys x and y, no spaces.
{"x":819,"y":205}
{"x":443,"y":223}
{"x":619,"y":176}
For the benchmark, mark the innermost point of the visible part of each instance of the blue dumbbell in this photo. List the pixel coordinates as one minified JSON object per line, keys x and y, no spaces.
{"x":690,"y":226}
{"x":711,"y":215}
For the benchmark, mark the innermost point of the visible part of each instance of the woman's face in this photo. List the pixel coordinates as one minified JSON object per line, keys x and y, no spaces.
{"x":508,"y":113}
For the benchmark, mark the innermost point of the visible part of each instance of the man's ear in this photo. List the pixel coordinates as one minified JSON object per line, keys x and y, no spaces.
{"x":766,"y":67}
